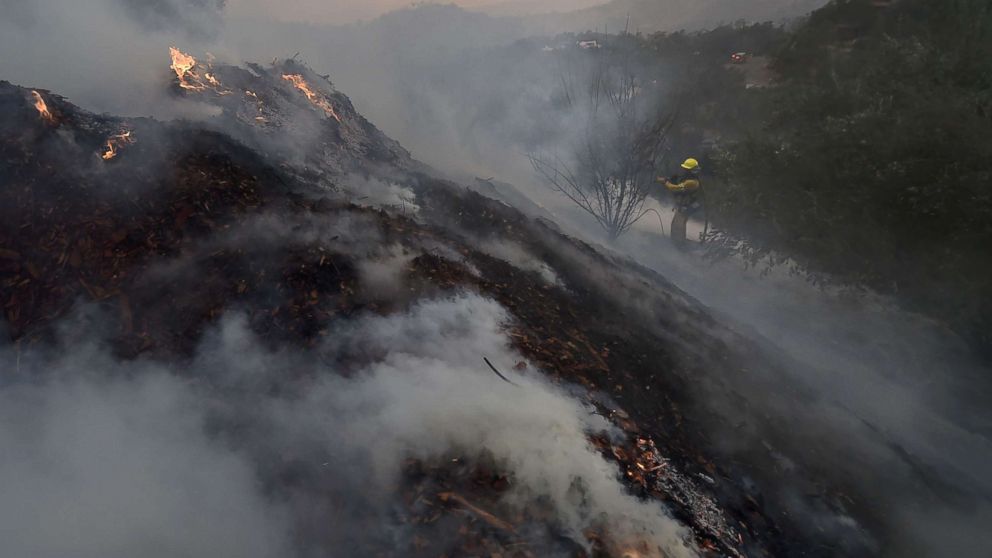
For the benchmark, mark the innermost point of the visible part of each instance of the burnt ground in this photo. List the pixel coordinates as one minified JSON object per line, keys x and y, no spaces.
{"x":165,"y":238}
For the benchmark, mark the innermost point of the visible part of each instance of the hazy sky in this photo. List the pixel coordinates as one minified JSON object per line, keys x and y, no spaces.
{"x":342,"y":11}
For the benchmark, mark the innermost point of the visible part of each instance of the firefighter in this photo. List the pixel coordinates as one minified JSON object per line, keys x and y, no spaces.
{"x":685,"y":186}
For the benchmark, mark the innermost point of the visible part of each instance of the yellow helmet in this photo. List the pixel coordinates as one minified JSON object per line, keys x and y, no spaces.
{"x":690,"y":164}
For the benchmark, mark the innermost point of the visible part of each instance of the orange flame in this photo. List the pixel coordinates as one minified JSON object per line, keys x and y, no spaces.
{"x":184,"y":65}
{"x":114,"y":144}
{"x":42,"y":107}
{"x":317,"y":100}
{"x":639,"y":550}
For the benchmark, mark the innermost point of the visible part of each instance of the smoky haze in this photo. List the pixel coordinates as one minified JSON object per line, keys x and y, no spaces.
{"x":461,"y":92}
{"x":348,"y":11}
{"x":197,"y":17}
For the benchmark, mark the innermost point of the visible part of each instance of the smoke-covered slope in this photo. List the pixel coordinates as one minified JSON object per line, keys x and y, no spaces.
{"x":319,"y":312}
{"x":276,"y":311}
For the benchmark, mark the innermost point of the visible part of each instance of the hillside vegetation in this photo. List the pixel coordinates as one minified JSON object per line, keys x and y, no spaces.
{"x":872,"y":158}
{"x":673,"y":15}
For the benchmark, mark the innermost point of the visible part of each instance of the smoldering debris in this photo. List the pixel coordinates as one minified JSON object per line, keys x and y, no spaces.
{"x":291,"y":114}
{"x":212,"y":452}
{"x":379,"y":192}
{"x":519,"y":257}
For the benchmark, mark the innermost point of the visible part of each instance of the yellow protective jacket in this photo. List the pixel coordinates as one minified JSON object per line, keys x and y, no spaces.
{"x":683,"y":185}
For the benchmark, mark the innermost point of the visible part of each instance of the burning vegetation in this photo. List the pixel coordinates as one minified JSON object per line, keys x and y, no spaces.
{"x":42,"y":107}
{"x":192,"y":76}
{"x":183,"y":64}
{"x":317,"y":99}
{"x":115,"y":143}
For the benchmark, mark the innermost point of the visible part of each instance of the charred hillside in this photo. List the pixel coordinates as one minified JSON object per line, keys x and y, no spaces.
{"x":285,"y":256}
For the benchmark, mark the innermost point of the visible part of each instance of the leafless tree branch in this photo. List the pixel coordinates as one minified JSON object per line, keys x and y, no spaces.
{"x":612,"y":168}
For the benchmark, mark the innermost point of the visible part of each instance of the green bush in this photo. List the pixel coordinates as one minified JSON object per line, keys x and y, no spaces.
{"x":872,"y":162}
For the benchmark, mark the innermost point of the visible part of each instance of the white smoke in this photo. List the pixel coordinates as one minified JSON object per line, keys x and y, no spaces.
{"x":116,"y":459}
{"x":517,"y":256}
{"x":430,"y":394}
{"x":375,"y":192}
{"x":382,"y":277}
{"x":97,"y":464}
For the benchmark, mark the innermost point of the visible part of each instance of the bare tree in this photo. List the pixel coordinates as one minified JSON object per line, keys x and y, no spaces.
{"x":609,"y":170}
